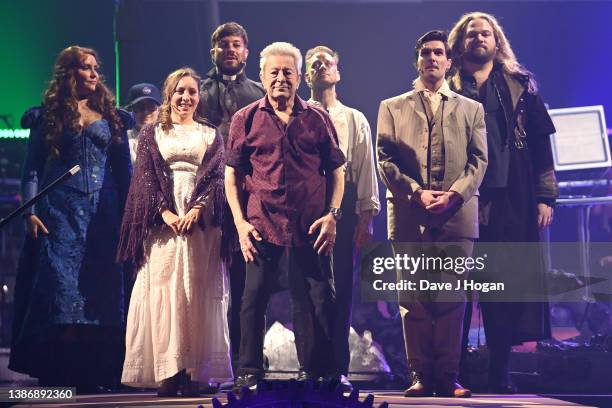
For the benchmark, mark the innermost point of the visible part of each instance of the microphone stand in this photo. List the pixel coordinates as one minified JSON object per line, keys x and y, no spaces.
{"x":4,"y":221}
{"x":38,"y":196}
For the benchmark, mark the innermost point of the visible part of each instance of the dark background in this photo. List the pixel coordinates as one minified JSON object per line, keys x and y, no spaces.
{"x":567,"y":44}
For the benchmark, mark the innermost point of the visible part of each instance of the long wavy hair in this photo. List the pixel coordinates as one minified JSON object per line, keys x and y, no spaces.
{"x":170,"y":84}
{"x":504,"y":55}
{"x":61,"y":98}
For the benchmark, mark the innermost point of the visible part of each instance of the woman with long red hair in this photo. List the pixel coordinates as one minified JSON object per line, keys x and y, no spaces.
{"x":69,"y":292}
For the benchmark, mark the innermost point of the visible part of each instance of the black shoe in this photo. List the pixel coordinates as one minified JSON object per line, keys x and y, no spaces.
{"x":304,"y":376}
{"x":189,"y":388}
{"x":245,"y":381}
{"x":346,"y":384}
{"x":208,"y":389}
{"x":169,"y":387}
{"x":341,"y":380}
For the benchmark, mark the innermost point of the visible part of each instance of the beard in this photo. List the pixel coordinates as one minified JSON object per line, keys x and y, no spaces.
{"x":479,"y":57}
{"x":229,"y":69}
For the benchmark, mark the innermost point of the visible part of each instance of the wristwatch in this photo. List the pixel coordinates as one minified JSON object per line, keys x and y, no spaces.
{"x":336,"y":212}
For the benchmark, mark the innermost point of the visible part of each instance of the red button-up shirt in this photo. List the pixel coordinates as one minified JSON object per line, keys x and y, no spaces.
{"x":285,"y":167}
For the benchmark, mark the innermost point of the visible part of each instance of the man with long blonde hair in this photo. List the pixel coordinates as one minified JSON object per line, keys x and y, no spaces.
{"x":519,"y":190}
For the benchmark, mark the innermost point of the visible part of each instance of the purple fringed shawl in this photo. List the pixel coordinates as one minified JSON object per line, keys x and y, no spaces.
{"x":151,"y":189}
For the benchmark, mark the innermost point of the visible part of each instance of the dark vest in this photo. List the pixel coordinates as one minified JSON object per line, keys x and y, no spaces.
{"x":244,"y":91}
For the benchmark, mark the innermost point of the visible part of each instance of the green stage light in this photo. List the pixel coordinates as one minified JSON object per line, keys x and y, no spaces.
{"x":14,"y":133}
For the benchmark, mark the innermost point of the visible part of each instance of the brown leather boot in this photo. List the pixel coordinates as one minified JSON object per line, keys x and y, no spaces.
{"x":421,"y":386}
{"x":452,"y":389}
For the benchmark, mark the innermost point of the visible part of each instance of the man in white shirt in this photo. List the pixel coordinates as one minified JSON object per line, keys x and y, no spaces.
{"x":360,"y":202}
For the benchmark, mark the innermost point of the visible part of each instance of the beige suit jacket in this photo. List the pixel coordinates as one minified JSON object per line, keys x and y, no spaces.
{"x":402,"y":144}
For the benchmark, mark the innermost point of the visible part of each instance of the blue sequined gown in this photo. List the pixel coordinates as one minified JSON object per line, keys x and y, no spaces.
{"x":69,"y":278}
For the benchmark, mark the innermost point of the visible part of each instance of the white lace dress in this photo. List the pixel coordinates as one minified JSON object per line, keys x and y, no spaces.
{"x":177,"y":316}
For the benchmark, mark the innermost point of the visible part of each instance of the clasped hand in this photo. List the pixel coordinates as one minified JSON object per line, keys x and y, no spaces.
{"x":437,"y":202}
{"x":182,"y":225}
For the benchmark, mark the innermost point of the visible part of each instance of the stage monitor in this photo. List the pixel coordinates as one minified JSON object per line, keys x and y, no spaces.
{"x":580,"y":140}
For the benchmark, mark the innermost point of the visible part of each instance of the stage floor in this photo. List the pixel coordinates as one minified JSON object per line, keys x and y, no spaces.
{"x":394,"y":398}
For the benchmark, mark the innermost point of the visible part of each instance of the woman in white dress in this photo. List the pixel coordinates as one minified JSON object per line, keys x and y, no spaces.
{"x":177,"y":334}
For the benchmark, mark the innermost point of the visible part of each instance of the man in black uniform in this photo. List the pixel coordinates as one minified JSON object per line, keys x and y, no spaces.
{"x":226,"y":90}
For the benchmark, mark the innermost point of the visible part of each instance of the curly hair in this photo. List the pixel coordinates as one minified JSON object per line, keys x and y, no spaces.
{"x":61,"y":99}
{"x":504,"y":55}
{"x":170,"y":84}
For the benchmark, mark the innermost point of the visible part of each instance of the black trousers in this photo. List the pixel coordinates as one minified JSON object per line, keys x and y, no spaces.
{"x":344,"y":255}
{"x":237,"y":275}
{"x":309,"y":278}
{"x":508,"y":323}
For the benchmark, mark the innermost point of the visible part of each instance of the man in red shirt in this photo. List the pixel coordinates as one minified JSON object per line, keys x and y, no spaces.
{"x":286,"y":154}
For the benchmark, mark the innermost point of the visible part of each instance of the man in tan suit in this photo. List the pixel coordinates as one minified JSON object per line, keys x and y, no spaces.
{"x":432,"y":156}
